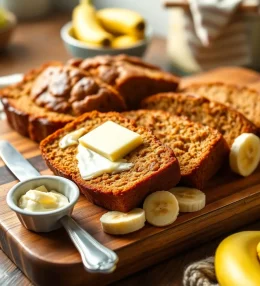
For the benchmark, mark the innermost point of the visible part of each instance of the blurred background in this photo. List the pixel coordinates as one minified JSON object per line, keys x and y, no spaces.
{"x":172,"y":38}
{"x":152,"y":10}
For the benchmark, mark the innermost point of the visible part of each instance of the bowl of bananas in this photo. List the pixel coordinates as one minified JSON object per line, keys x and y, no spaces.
{"x":108,"y":31}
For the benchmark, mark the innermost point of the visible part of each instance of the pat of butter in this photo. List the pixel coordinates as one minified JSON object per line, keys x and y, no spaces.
{"x":111,"y":140}
{"x":92,"y":165}
{"x":40,"y":199}
{"x":71,"y":138}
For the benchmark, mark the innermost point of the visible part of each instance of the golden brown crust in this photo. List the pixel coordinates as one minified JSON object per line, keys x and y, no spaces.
{"x":70,"y":90}
{"x":155,"y":166}
{"x":131,"y":77}
{"x":243,"y":99}
{"x":36,"y":108}
{"x":53,"y":95}
{"x":94,"y":62}
{"x":34,"y":127}
{"x":229,"y":122}
{"x":199,"y":149}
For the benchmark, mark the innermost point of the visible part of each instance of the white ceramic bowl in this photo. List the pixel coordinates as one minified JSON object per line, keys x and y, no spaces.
{"x":81,"y":50}
{"x":43,"y":221}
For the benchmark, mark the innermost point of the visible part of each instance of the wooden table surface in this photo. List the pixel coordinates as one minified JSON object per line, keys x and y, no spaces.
{"x":36,"y":42}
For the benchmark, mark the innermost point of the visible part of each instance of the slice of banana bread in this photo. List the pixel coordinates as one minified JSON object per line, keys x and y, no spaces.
{"x":229,"y":122}
{"x":50,"y":97}
{"x":130,"y":76}
{"x":155,"y":166}
{"x":243,"y":99}
{"x":199,"y":149}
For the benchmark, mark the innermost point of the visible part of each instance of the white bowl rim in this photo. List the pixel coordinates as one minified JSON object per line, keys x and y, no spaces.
{"x":71,"y":40}
{"x":15,"y":208}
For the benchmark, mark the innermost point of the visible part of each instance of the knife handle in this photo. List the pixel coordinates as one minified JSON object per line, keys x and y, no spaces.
{"x":95,"y":256}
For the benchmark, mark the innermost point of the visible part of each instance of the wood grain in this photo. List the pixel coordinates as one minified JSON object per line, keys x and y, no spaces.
{"x":10,"y":274}
{"x":231,"y":202}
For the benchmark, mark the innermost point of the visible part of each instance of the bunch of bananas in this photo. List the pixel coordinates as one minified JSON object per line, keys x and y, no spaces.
{"x":109,"y":27}
{"x":237,"y":260}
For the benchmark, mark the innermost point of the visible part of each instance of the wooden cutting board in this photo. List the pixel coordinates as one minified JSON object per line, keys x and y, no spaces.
{"x":51,"y":259}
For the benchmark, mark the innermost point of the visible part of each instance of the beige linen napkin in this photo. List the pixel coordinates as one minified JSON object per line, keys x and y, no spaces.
{"x":215,"y":35}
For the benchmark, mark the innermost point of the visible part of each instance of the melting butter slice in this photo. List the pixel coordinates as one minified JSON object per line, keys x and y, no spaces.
{"x":40,"y":199}
{"x":111,"y":140}
{"x":71,"y":138}
{"x":92,"y":165}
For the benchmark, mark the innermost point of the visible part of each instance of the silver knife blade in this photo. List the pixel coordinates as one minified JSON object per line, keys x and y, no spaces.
{"x":14,"y":160}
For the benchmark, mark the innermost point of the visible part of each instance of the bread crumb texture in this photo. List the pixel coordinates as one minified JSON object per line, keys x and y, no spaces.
{"x":149,"y":158}
{"x":189,"y":141}
{"x":229,"y":122}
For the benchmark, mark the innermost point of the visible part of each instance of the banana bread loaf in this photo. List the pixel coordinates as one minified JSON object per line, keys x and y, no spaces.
{"x":52,"y":96}
{"x":131,"y":77}
{"x":199,"y":149}
{"x":155,"y":166}
{"x":49,"y":98}
{"x":243,"y":99}
{"x":229,"y":122}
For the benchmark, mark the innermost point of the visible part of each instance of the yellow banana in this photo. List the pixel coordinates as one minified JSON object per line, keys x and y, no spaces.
{"x":236,"y":260}
{"x":122,"y":21}
{"x":86,"y":26}
{"x":124,"y":41}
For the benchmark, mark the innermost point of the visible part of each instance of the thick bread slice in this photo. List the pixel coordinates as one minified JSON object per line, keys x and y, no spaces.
{"x":243,"y":99}
{"x":155,"y":166}
{"x":199,"y":149}
{"x":229,"y":122}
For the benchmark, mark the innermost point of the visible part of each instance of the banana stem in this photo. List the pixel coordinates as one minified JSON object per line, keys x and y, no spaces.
{"x":85,"y":2}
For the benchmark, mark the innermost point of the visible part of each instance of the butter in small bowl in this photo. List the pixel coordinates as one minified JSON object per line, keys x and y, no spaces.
{"x":37,"y":217}
{"x":41,"y":200}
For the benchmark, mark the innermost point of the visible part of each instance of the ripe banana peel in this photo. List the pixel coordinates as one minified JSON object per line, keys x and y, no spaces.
{"x":236,"y":260}
{"x":122,"y":21}
{"x":87,"y":27}
{"x":124,"y":41}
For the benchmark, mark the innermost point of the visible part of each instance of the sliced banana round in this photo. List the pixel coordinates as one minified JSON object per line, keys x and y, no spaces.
{"x":244,"y":155}
{"x":189,"y":199}
{"x":115,"y":222}
{"x":161,"y":208}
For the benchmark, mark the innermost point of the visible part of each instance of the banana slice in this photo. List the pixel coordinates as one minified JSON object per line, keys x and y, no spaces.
{"x":161,"y":208}
{"x":115,"y":222}
{"x":244,"y":155}
{"x":189,"y":199}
